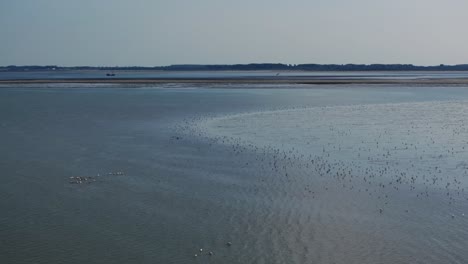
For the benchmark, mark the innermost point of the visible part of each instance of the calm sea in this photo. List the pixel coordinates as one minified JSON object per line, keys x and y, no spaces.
{"x":294,"y":174}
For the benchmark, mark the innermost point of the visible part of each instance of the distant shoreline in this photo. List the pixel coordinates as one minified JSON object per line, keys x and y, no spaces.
{"x":247,"y":67}
{"x":244,"y":80}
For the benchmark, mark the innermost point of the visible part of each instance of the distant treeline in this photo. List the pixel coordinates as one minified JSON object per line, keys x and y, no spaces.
{"x":253,"y":67}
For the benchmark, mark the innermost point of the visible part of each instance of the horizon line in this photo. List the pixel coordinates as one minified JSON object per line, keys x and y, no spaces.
{"x":235,"y":64}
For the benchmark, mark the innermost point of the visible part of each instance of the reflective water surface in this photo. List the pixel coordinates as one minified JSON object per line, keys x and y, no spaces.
{"x":295,"y":174}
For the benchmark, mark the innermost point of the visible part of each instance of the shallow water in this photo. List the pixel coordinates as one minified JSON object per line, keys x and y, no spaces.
{"x":286,"y":175}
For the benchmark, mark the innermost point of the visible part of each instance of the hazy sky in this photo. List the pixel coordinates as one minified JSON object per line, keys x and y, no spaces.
{"x":162,"y":32}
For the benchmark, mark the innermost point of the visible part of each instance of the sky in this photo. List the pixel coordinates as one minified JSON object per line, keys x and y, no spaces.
{"x":165,"y":32}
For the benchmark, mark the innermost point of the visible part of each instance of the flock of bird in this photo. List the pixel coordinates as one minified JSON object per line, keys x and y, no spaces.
{"x":92,"y":179}
{"x":210,"y":253}
{"x":419,"y":148}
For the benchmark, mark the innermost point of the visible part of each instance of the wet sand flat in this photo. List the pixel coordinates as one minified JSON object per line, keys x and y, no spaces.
{"x":285,"y":80}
